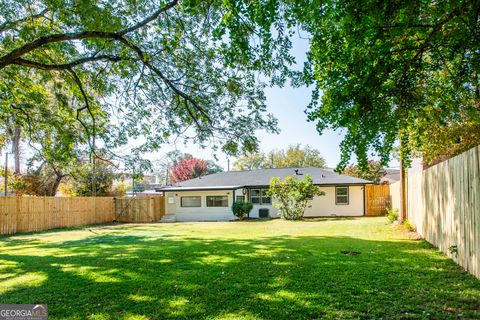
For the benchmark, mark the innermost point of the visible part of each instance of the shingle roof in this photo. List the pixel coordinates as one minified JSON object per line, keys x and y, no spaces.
{"x":261,"y":177}
{"x":391,"y":176}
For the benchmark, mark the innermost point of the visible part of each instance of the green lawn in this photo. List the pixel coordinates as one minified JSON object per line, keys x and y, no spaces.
{"x":238,"y":270}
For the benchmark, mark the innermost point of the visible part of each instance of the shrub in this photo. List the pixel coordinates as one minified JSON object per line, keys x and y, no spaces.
{"x":410,"y":227}
{"x":241,"y":208}
{"x":392,"y":214}
{"x":293,"y":195}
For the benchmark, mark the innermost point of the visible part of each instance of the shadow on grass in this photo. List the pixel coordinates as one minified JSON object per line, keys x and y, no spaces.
{"x":116,"y":276}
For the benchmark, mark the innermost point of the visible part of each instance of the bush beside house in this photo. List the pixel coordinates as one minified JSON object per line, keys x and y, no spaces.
{"x":293,"y":195}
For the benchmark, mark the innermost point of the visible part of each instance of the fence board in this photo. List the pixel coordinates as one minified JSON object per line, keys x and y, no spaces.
{"x":24,"y":214}
{"x":377,"y":199}
{"x":139,"y":209}
{"x":443,"y":202}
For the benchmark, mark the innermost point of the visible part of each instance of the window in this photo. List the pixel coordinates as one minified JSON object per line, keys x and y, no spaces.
{"x":341,"y":195}
{"x":217,"y":201}
{"x":239,"y":198}
{"x":191,"y":201}
{"x":259,"y":196}
{"x":255,"y":196}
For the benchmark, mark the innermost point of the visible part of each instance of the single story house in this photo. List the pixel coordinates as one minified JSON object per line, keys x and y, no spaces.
{"x":209,"y":198}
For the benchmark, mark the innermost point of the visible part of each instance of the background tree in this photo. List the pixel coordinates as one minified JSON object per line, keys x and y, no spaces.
{"x":292,"y":195}
{"x":296,"y":156}
{"x":188,"y":169}
{"x":251,"y":161}
{"x":293,"y":156}
{"x":164,"y":166}
{"x":213,"y":167}
{"x":82,"y":181}
{"x":374,"y":171}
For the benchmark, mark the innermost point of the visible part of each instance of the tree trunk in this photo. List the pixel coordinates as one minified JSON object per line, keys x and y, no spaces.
{"x":16,"y":148}
{"x":55,"y":185}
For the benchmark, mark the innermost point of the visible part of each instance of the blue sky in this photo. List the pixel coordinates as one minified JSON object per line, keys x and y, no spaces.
{"x":287,"y":104}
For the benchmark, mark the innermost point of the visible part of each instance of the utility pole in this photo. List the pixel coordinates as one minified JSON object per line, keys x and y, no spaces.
{"x":133,"y":181}
{"x":228,"y":164}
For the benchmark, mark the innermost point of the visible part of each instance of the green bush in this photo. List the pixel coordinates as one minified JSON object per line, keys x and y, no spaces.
{"x":410,"y":227}
{"x":293,"y":195}
{"x":241,"y":208}
{"x":392,"y":214}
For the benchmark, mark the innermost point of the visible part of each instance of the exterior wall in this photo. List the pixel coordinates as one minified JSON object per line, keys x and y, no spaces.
{"x":273,"y":211}
{"x":202,"y":213}
{"x":324,"y":206}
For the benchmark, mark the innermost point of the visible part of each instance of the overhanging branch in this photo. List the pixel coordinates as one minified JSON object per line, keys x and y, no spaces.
{"x":13,"y":55}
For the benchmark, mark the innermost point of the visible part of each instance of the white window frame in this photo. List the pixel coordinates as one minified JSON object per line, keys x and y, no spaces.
{"x":346,"y":196}
{"x":220,"y":195}
{"x":183,"y":206}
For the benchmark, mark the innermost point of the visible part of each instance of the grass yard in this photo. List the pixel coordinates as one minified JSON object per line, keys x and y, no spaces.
{"x":242,"y":270}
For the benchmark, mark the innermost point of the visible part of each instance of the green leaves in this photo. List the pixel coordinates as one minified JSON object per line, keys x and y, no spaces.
{"x":379,"y":68}
{"x":292,"y":195}
{"x":153,"y":70}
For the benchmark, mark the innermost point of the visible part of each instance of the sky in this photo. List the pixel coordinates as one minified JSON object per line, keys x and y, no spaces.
{"x":287,"y":104}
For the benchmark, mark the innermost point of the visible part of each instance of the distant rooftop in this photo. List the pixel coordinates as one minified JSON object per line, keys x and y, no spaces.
{"x":262,"y":177}
{"x":391,"y":176}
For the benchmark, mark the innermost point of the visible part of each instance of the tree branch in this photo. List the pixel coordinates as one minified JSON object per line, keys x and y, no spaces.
{"x":7,"y":25}
{"x":53,"y":38}
{"x":65,"y":66}
{"x":438,"y":27}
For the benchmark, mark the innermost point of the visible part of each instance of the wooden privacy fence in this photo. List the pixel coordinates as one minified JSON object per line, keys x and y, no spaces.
{"x":377,"y":199}
{"x":24,"y":214}
{"x":141,"y":209}
{"x":443,"y":202}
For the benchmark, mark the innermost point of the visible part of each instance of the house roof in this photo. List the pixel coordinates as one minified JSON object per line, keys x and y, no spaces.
{"x":261,"y":177}
{"x":391,"y":176}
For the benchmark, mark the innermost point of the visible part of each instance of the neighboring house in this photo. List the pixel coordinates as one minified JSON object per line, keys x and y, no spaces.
{"x":209,"y":198}
{"x":391,"y":176}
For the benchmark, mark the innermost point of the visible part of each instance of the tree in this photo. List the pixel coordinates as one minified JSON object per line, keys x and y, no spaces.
{"x":251,"y":161}
{"x":293,"y":195}
{"x":188,"y":169}
{"x":374,"y":172}
{"x":172,"y":158}
{"x":164,"y":69}
{"x":82,"y":181}
{"x":296,"y":156}
{"x":293,"y":156}
{"x":388,"y":71}
{"x":213,"y":167}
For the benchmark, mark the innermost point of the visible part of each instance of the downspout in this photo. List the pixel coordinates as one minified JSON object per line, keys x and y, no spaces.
{"x":233,"y":199}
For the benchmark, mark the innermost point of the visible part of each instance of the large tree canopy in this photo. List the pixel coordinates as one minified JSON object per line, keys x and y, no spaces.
{"x":293,"y":156}
{"x":389,"y":69}
{"x":161,"y":69}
